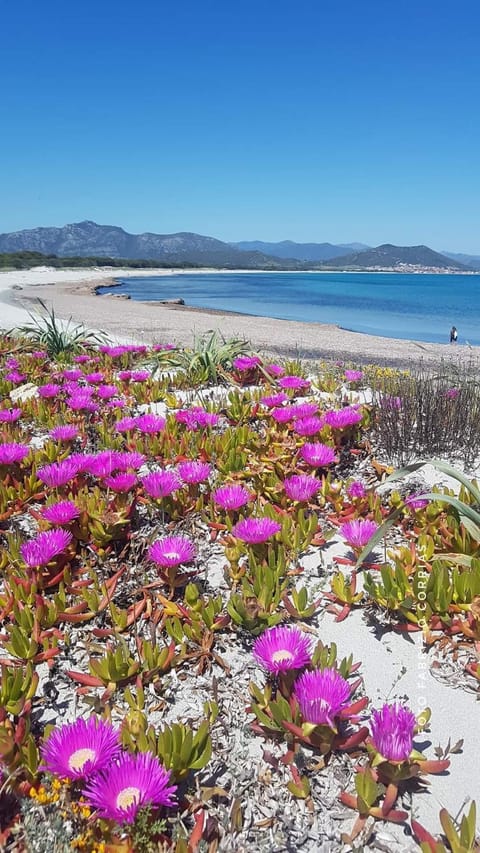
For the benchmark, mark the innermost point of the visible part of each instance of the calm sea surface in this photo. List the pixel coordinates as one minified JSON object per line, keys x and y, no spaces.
{"x":420,"y":307}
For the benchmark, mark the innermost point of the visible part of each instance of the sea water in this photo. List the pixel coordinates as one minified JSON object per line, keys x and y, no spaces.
{"x":419,"y":307}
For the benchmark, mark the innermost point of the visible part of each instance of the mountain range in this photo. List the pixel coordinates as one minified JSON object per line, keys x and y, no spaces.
{"x":86,"y":239}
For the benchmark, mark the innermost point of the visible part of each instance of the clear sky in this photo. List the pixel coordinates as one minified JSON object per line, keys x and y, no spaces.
{"x":314,"y":120}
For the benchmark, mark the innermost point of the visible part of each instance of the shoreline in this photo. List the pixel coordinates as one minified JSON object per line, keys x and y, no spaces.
{"x":73,"y":294}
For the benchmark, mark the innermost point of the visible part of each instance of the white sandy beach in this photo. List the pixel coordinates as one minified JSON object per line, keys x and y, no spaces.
{"x":72,"y":294}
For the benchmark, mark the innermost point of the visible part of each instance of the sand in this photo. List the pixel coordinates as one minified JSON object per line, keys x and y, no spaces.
{"x":72,"y":294}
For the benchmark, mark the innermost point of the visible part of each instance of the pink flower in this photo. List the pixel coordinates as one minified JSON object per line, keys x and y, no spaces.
{"x":343,"y":417}
{"x":47,"y":545}
{"x":194,"y":472}
{"x":129,"y":459}
{"x":273,"y":400}
{"x":81,"y":359}
{"x":318,"y":455}
{"x":415,"y":501}
{"x":452,"y":393}
{"x":59,"y":473}
{"x":162,"y":347}
{"x":283,"y":416}
{"x":131,"y":782}
{"x":126,"y":424}
{"x":301,"y":487}
{"x":275,"y":370}
{"x":49,"y":390}
{"x":102,"y":464}
{"x":15,"y":377}
{"x":231,"y":497}
{"x":122,"y":482}
{"x":62,"y":512}
{"x":196,"y":418}
{"x":140,"y":375}
{"x":392,"y":732}
{"x":11,"y":453}
{"x":125,"y":375}
{"x":309,"y":426}
{"x":74,"y":374}
{"x":354,"y":375}
{"x":82,"y":400}
{"x":390,"y":402}
{"x":356,"y":489}
{"x":9,"y":416}
{"x":295,"y":382}
{"x":160,"y":484}
{"x":256,"y":530}
{"x":80,"y":749}
{"x":357,"y":533}
{"x":280,"y":649}
{"x":150,"y":423}
{"x":65,"y":432}
{"x":304,"y":410}
{"x":105,"y":392}
{"x":95,"y":378}
{"x":246,"y":362}
{"x":172,"y":551}
{"x":322,"y":694}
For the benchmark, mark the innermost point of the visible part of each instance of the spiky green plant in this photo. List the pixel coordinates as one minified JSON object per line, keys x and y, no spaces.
{"x":210,"y":356}
{"x":57,"y":336}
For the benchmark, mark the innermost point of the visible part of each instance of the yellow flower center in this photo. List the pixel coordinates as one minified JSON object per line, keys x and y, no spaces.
{"x":79,"y":758}
{"x":281,"y":655}
{"x":127,"y":797}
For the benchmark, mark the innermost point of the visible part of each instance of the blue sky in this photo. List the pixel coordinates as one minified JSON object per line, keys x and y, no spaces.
{"x":309,"y":121}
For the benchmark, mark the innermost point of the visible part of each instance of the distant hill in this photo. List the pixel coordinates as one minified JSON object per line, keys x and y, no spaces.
{"x":300,"y":251}
{"x":89,"y":239}
{"x":472,"y":261}
{"x":389,"y":256}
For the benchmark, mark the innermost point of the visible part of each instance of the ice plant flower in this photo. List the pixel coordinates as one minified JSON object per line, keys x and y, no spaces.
{"x":256,"y":530}
{"x":318,"y":455}
{"x":294,"y":382}
{"x":415,"y":501}
{"x":74,"y":373}
{"x":12,"y":452}
{"x":160,"y":484}
{"x":150,"y":423}
{"x":246,"y":362}
{"x":122,"y":482}
{"x":356,"y":489}
{"x":452,"y":393}
{"x":308,"y":426}
{"x":283,"y":416}
{"x":301,"y":487}
{"x":9,"y":416}
{"x":357,"y":533}
{"x":353,"y":375}
{"x":321,"y":695}
{"x":343,"y":418}
{"x":104,"y":463}
{"x":128,"y":784}
{"x":231,"y":497}
{"x":95,"y":378}
{"x":49,"y":390}
{"x":140,"y":375}
{"x":62,"y":512}
{"x":64,"y":432}
{"x":58,"y":473}
{"x":172,"y":551}
{"x":126,"y":424}
{"x":80,"y":749}
{"x":129,"y":459}
{"x":392,"y":731}
{"x":196,"y":417}
{"x":106,"y":392}
{"x":275,"y":370}
{"x":282,"y":648}
{"x":194,"y":472}
{"x":47,"y":545}
{"x":273,"y":400}
{"x":304,"y":410}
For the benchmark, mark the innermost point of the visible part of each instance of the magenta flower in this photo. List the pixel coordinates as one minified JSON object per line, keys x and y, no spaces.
{"x":126,"y":424}
{"x":9,"y":416}
{"x":103,"y":463}
{"x":318,"y":455}
{"x":49,"y":390}
{"x":357,"y":533}
{"x":356,"y":489}
{"x":304,"y":410}
{"x":343,"y":418}
{"x":452,"y":393}
{"x":59,"y":473}
{"x":275,"y":370}
{"x":246,"y":362}
{"x":64,"y":432}
{"x":39,"y":354}
{"x":322,"y":694}
{"x":131,"y":782}
{"x":273,"y":400}
{"x":73,"y":374}
{"x":11,"y":452}
{"x":15,"y":377}
{"x":163,"y":347}
{"x":390,"y":402}
{"x":82,"y":401}
{"x":114,"y":352}
{"x":122,"y":482}
{"x":160,"y":484}
{"x":392,"y":732}
{"x":416,"y":502}
{"x":172,"y":551}
{"x":95,"y":378}
{"x":295,"y":382}
{"x":231,"y":497}
{"x":116,"y":403}
{"x":279,"y":649}
{"x":283,"y":416}
{"x":125,"y":375}
{"x":80,"y":749}
{"x":308,"y":426}
{"x":196,"y":417}
{"x":354,"y":375}
{"x":140,"y":375}
{"x":194,"y":472}
{"x":129,"y":459}
{"x":106,"y":392}
{"x":150,"y":423}
{"x":256,"y":530}
{"x":301,"y":487}
{"x":81,"y":359}
{"x":62,"y":512}
{"x":47,"y":545}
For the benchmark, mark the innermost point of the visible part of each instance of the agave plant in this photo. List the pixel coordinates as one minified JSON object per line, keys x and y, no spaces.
{"x":58,"y":336}
{"x":210,"y":356}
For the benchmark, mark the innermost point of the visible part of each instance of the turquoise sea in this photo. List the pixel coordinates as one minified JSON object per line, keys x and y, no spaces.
{"x":417,"y":307}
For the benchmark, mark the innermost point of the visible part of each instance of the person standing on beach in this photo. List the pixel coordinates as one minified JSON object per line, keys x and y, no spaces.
{"x":453,"y":335}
